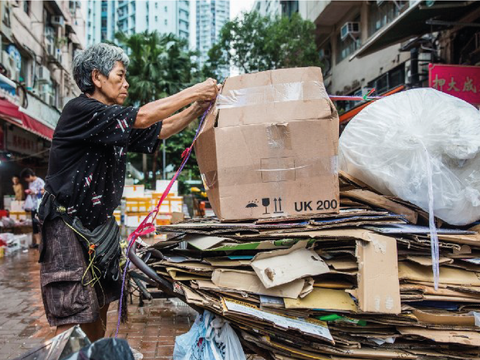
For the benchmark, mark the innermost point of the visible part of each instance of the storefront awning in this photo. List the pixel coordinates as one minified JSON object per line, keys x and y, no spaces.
{"x":414,"y":22}
{"x":11,"y":113}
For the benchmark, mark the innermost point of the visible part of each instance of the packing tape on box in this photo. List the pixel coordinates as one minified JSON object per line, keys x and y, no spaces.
{"x":273,"y":170}
{"x":274,"y":93}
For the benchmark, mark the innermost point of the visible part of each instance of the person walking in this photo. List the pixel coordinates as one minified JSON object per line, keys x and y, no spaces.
{"x":85,"y":181}
{"x":34,"y":194}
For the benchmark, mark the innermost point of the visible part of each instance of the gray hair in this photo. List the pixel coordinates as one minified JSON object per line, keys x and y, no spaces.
{"x":99,"y":56}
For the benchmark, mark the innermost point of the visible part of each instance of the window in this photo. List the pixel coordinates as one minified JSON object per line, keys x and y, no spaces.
{"x":26,"y":6}
{"x":348,"y":45}
{"x":156,"y":5}
{"x":166,"y":8}
{"x":166,"y":22}
{"x":156,"y":18}
{"x":390,"y":80}
{"x":381,"y":15}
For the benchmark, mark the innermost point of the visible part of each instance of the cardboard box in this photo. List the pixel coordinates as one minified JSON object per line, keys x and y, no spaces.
{"x":269,"y":147}
{"x":132,"y":191}
{"x":17,"y":206}
{"x":161,"y":186}
{"x":140,"y":204}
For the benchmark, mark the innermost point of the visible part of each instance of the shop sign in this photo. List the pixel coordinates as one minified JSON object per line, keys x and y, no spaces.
{"x":22,"y":142}
{"x":457,"y":80}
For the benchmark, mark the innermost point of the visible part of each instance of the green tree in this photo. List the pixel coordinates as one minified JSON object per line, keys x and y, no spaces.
{"x":256,"y":43}
{"x":160,"y":65}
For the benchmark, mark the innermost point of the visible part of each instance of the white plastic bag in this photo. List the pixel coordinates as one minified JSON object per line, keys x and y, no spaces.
{"x":222,"y":334}
{"x":392,"y":144}
{"x":209,"y":338}
{"x":29,"y":203}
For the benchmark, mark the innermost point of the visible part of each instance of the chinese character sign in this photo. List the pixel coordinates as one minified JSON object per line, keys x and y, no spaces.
{"x":457,"y":80}
{"x":21,"y":141}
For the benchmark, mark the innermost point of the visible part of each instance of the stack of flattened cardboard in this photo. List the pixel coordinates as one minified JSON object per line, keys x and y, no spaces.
{"x":352,"y":285}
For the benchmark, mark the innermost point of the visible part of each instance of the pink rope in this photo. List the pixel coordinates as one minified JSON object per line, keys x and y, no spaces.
{"x":146,"y":226}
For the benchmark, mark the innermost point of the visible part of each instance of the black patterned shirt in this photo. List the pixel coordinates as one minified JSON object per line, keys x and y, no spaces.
{"x":88,"y":157}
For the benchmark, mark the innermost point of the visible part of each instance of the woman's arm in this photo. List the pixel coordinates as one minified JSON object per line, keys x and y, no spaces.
{"x":176,"y":123}
{"x":159,"y":110}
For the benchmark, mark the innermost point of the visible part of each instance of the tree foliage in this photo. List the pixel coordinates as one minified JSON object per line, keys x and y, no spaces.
{"x":160,"y":66}
{"x":256,"y":43}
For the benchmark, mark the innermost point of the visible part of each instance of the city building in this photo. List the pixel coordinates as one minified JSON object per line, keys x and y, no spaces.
{"x":274,"y":8}
{"x":105,"y":18}
{"x":385,"y":44}
{"x":38,"y":42}
{"x":211,"y":15}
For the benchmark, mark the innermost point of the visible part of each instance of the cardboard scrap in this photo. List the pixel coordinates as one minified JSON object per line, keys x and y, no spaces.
{"x":415,"y":272}
{"x":378,"y":287}
{"x":212,"y":243}
{"x":414,"y":229}
{"x":279,"y":267}
{"x":444,"y":318}
{"x":376,"y":200}
{"x":459,"y":337}
{"x":427,"y":261}
{"x":373,"y":287}
{"x":325,"y":299}
{"x":317,"y":329}
{"x":247,"y":281}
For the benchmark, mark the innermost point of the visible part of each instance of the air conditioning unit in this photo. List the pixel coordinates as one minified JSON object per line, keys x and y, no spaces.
{"x":58,"y":20}
{"x":44,"y":89}
{"x":8,"y":61}
{"x":44,"y":74}
{"x":48,"y":98}
{"x":350,"y":29}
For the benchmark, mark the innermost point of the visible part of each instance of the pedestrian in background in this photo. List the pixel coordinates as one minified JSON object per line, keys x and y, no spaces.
{"x":17,"y":188}
{"x":86,"y":176}
{"x":34,"y":194}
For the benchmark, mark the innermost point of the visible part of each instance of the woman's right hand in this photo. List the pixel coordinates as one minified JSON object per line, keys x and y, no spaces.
{"x":207,"y":90}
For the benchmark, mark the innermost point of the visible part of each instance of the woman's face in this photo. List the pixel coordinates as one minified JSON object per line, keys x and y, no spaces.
{"x":115,"y":87}
{"x":15,"y":180}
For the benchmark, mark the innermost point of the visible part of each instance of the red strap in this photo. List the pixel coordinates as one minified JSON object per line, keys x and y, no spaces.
{"x":147,"y":225}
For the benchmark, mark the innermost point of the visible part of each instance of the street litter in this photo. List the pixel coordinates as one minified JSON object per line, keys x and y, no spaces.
{"x":73,"y":344}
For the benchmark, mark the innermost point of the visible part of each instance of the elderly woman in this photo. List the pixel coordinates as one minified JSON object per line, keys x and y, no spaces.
{"x":85,"y":181}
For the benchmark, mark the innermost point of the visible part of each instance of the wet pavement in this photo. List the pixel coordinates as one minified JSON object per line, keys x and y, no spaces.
{"x":151,"y":329}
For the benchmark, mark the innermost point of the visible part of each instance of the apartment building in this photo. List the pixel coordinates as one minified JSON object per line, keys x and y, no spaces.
{"x":211,"y":15}
{"x":105,"y":18}
{"x":383,"y":44}
{"x":274,"y":8}
{"x":38,"y":42}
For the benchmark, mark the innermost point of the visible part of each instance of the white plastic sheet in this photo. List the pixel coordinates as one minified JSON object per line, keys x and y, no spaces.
{"x":423,"y":146}
{"x":394,"y":143}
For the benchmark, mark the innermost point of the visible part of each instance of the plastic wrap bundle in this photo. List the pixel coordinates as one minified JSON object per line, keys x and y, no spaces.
{"x":404,"y":143}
